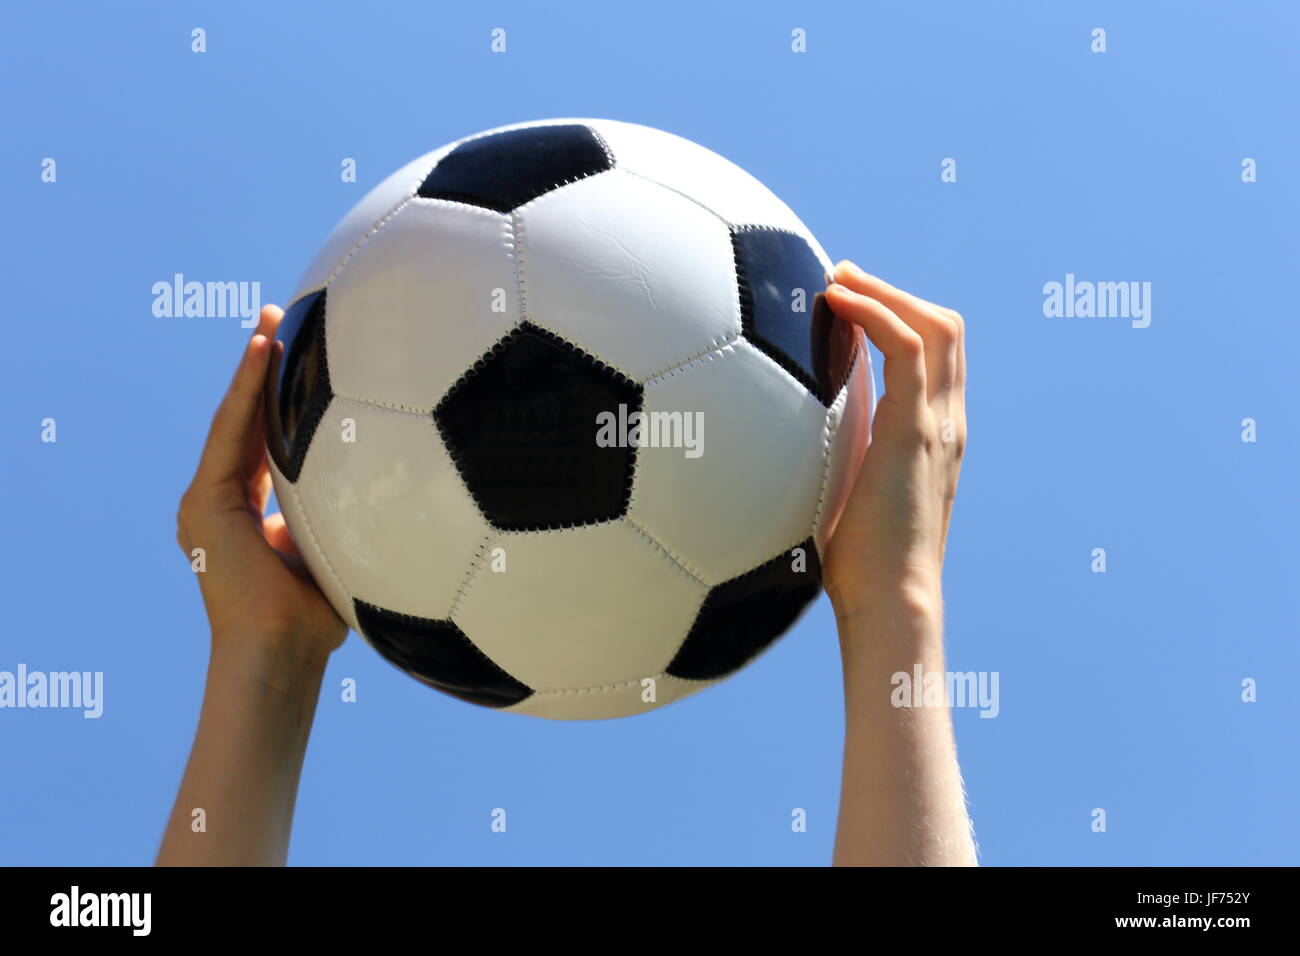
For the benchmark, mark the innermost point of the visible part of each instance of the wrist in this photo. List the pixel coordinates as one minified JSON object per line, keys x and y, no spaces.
{"x":278,"y":661}
{"x":890,"y":631}
{"x":915,"y":595}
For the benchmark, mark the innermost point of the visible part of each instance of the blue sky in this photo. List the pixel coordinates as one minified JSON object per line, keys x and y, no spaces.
{"x":1118,"y":690}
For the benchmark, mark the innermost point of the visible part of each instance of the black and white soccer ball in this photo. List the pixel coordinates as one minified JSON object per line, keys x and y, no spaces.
{"x":452,"y":415}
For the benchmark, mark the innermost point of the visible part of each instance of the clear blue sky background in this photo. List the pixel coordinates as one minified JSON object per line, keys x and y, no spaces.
{"x":1118,"y":690}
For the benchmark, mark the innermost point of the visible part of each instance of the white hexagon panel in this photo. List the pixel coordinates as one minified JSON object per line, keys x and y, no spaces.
{"x":433,"y":258}
{"x":601,"y":264}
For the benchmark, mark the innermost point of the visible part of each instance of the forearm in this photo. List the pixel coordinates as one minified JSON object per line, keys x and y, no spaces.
{"x":247,"y":757}
{"x":901,"y":801}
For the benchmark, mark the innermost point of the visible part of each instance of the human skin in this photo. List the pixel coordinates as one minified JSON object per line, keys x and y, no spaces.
{"x":901,"y":798}
{"x":272,"y":631}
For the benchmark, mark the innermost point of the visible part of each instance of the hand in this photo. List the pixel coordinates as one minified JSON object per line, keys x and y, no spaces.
{"x":255,"y":586}
{"x":272,"y":633}
{"x":902,"y":800}
{"x":890,"y":539}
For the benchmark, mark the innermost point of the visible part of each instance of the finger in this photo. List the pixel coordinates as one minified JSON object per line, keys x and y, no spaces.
{"x":252,"y":462}
{"x":959,"y":380}
{"x":901,"y":345}
{"x":278,"y":536}
{"x":260,"y":487}
{"x":269,"y":320}
{"x":224,"y":451}
{"x":855,"y":277}
{"x":939,"y":328}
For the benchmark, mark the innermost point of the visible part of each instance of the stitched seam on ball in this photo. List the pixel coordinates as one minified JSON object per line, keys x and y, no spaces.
{"x":717,"y":345}
{"x":484,"y":134}
{"x":471,"y":574}
{"x":461,"y":637}
{"x":696,"y":361}
{"x":749,"y":226}
{"x":723,"y":219}
{"x":609,"y":153}
{"x":461,"y":207}
{"x":606,"y":688}
{"x":768,"y":348}
{"x":458,"y":466}
{"x":410,"y":194}
{"x":442,"y":442}
{"x":456,"y":144}
{"x":413,"y":193}
{"x":841,"y":400}
{"x":514,"y":249}
{"x":552,"y":190}
{"x":711,"y":680}
{"x":713,"y":345}
{"x":589,"y":353}
{"x":811,"y":393}
{"x":570,"y":527}
{"x":584,"y":356}
{"x":603,"y":688}
{"x":383,"y":404}
{"x":784,"y":552}
{"x":304,"y":295}
{"x":365,"y":237}
{"x":598,"y":689}
{"x":557,"y":528}
{"x":472,"y":199}
{"x":687,"y":196}
{"x":681,"y":565}
{"x":629,"y":476}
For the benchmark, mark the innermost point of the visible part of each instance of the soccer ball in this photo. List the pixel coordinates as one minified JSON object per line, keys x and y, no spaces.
{"x":559,"y":418}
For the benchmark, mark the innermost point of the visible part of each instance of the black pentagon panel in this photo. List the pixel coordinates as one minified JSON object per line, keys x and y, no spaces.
{"x":813,"y":345}
{"x":297,"y":390}
{"x":439,"y":653}
{"x":505,"y":170}
{"x":741,"y":617}
{"x":522,"y":428}
{"x":835,"y":347}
